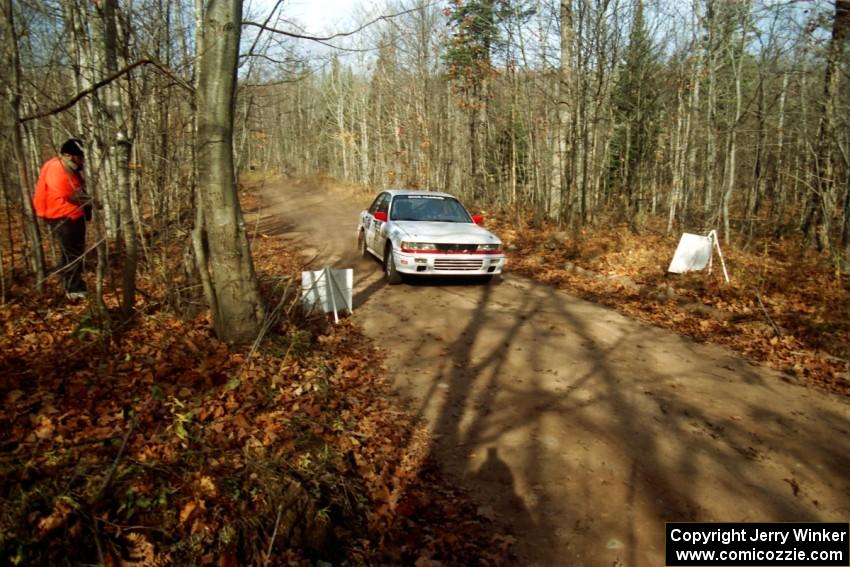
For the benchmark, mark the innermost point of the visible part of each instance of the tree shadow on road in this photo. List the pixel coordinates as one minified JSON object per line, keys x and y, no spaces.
{"x":616,"y":418}
{"x":494,"y":476}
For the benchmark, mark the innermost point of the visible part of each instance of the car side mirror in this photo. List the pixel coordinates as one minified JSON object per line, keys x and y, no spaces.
{"x":478,"y":219}
{"x":381,"y":216}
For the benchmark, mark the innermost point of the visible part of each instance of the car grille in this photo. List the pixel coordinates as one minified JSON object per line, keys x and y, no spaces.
{"x":457,"y":264}
{"x":456,"y":247}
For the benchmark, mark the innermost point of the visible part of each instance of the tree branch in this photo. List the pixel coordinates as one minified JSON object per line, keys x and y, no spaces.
{"x":102,"y":83}
{"x":386,"y":17}
{"x":265,"y":23}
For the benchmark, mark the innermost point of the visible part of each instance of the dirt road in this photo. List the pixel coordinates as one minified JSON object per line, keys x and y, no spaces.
{"x":580,"y":428}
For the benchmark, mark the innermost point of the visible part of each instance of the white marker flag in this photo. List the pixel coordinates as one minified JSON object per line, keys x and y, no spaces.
{"x":328,"y":290}
{"x":694,"y":253}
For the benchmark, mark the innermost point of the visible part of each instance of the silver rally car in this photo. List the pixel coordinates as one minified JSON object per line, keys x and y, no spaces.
{"x":426,"y":233}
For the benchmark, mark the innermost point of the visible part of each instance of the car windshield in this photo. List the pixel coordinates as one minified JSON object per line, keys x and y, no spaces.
{"x":428,"y":208}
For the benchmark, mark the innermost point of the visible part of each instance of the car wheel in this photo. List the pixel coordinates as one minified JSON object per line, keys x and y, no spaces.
{"x":393,"y":275}
{"x":361,"y":244}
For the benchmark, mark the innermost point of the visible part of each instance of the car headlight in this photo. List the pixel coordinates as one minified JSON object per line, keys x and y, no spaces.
{"x":489,"y":247}
{"x":417,"y":246}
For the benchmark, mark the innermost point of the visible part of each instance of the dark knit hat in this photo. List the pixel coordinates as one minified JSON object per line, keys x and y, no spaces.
{"x":73,"y":147}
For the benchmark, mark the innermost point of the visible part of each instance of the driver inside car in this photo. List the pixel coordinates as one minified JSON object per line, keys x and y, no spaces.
{"x":403,"y":210}
{"x":439,"y":210}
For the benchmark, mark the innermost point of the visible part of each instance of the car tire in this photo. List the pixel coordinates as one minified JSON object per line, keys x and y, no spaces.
{"x":393,"y":275}
{"x":361,"y":245}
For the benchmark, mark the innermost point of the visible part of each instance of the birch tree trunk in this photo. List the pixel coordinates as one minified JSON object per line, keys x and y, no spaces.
{"x":732,"y":147}
{"x":477,"y":141}
{"x":559,"y":179}
{"x":235,"y":301}
{"x":711,"y":131}
{"x":120,"y":148}
{"x":678,"y":149}
{"x":690,"y":135}
{"x":754,"y":195}
{"x":364,"y":142}
{"x":778,"y":204}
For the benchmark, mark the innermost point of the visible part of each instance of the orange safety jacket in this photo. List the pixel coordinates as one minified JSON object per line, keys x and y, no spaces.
{"x":55,"y":190}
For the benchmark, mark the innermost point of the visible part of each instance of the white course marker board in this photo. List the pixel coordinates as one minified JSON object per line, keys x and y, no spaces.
{"x":695,"y":252}
{"x":328,"y":290}
{"x":692,"y":253}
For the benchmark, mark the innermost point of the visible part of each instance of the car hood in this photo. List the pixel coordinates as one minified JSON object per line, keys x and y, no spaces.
{"x":446,"y":232}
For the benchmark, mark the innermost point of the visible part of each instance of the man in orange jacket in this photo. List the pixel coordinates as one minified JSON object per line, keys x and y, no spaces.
{"x":60,"y":199}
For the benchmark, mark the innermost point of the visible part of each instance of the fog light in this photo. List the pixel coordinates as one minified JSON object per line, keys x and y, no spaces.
{"x":421,"y":261}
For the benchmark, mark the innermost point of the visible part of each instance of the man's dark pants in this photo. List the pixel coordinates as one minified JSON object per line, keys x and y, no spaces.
{"x":70,"y":234}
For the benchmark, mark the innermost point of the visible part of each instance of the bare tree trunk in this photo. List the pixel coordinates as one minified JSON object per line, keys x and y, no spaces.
{"x":804,"y":176}
{"x":342,"y":133}
{"x":560,"y":176}
{"x":778,"y":204}
{"x":398,"y":163}
{"x":236,"y":305}
{"x":85,"y":24}
{"x":477,"y":141}
{"x":678,"y":149}
{"x":757,"y":188}
{"x":7,"y":209}
{"x":711,"y":127}
{"x":822,"y":201}
{"x":380,"y":157}
{"x":514,"y":157}
{"x":689,"y":176}
{"x":120,"y":148}
{"x":732,"y":147}
{"x":13,"y":62}
{"x":845,"y":225}
{"x":364,"y":144}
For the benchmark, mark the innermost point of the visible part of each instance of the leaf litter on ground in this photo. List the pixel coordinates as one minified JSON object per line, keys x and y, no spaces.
{"x":153,"y":443}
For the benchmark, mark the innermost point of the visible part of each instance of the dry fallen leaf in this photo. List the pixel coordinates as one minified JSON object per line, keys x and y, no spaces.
{"x":139,"y":553}
{"x":56,"y":519}
{"x":187,"y":511}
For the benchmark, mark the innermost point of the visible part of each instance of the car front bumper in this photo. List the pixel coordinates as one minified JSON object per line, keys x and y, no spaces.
{"x":425,"y":264}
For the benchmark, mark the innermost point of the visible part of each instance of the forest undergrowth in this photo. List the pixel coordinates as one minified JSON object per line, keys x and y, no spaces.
{"x":152,"y":443}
